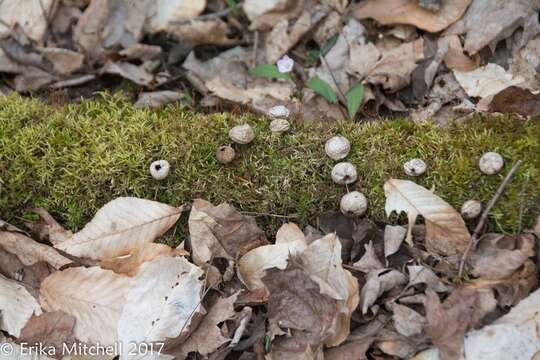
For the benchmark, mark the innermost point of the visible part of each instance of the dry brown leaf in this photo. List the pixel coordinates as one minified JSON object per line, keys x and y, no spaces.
{"x":448,"y":322}
{"x":129,"y":264}
{"x":377,"y":282}
{"x":120,"y":227}
{"x":362,"y":59}
{"x":419,"y":274}
{"x":369,"y":261}
{"x":16,"y":306}
{"x":265,"y":14}
{"x":446,"y":233}
{"x":64,"y":61}
{"x":136,"y":73}
{"x":514,"y":99}
{"x":49,"y":330}
{"x":30,"y":276}
{"x":409,"y":12}
{"x":221,"y":231}
{"x":486,"y":80}
{"x":295,"y":303}
{"x":350,"y":350}
{"x":392,"y":343}
{"x":164,"y":297}
{"x":393,"y":70}
{"x":95,"y":297}
{"x":208,"y":336}
{"x":32,"y":79}
{"x":208,"y":32}
{"x":393,"y":237}
{"x":163,"y":14}
{"x":456,"y":59}
{"x":493,"y":261}
{"x":407,"y":321}
{"x":30,"y":252}
{"x":141,"y":52}
{"x":481,"y":28}
{"x":157,"y":99}
{"x":28,"y":14}
{"x":47,"y":228}
{"x":284,"y":36}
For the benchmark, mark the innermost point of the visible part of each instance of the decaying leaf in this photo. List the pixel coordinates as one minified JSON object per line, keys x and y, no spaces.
{"x":419,"y":274}
{"x":158,"y":99}
{"x":517,"y":100}
{"x":498,"y":256}
{"x":50,"y":329}
{"x":355,"y":349}
{"x":407,"y":321}
{"x":16,"y":306}
{"x":377,"y":282}
{"x":410,"y":12}
{"x":30,"y":252}
{"x":481,"y":28}
{"x":32,"y":16}
{"x":393,"y":237}
{"x":221,"y":232}
{"x":120,"y":227}
{"x":95,"y":297}
{"x":369,"y":261}
{"x":208,"y":337}
{"x":456,"y":59}
{"x":64,"y":61}
{"x":446,"y":233}
{"x":162,"y":301}
{"x":487,"y":80}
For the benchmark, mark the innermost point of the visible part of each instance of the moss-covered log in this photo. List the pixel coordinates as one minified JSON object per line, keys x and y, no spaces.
{"x":71,"y":160}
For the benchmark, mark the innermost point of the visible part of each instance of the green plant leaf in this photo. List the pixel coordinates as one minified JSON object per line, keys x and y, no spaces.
{"x":328,"y":45}
{"x":322,"y":88}
{"x":269,"y":71}
{"x":233,"y":5}
{"x":354,"y":97}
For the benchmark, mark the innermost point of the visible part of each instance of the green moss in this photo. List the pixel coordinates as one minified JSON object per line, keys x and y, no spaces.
{"x":72,"y":160}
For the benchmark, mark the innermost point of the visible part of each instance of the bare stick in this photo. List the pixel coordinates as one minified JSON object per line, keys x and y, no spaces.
{"x":340,"y":93}
{"x":478,"y":229}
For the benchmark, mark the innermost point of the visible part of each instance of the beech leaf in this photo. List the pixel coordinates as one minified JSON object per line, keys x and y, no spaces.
{"x":446,"y":232}
{"x":16,"y":306}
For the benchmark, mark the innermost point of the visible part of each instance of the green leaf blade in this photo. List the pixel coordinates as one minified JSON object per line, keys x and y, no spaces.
{"x":355,"y":98}
{"x":269,"y":71}
{"x":322,"y":88}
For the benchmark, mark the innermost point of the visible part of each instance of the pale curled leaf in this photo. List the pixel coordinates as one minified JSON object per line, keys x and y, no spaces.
{"x":407,"y":321}
{"x":29,"y":251}
{"x":164,"y":296}
{"x":16,"y":306}
{"x":369,"y":261}
{"x":120,"y":227}
{"x":377,"y":282}
{"x":446,"y":232}
{"x":129,"y":264}
{"x":422,"y":275}
{"x":95,"y":297}
{"x":393,"y":237}
{"x":486,"y":80}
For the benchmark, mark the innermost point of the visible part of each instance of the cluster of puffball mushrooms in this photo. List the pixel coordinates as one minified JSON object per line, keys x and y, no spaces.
{"x":354,"y":203}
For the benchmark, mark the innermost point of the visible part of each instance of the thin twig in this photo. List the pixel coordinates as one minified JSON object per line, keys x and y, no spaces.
{"x":340,"y":93}
{"x":255,"y":45}
{"x":480,"y":226}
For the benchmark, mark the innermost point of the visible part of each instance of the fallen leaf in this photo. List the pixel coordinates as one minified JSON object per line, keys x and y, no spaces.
{"x":446,"y":233}
{"x":208,"y":336}
{"x":492,"y":261}
{"x":393,"y":343}
{"x":513,"y":336}
{"x":349,"y":350}
{"x":120,"y":227}
{"x":480,"y":28}
{"x":208,"y":32}
{"x":143,"y":52}
{"x":136,"y":73}
{"x":221,"y":232}
{"x":157,"y":99}
{"x":407,"y":321}
{"x":393,"y":237}
{"x":517,"y":100}
{"x":30,"y":252}
{"x":419,"y":274}
{"x":16,"y":306}
{"x":95,"y":297}
{"x":129,"y":264}
{"x":393,"y":70}
{"x":487,"y":80}
{"x":49,"y":330}
{"x":47,"y":228}
{"x":455,"y":58}
{"x":377,"y":282}
{"x":164,"y":14}
{"x":29,"y":15}
{"x":64,"y":61}
{"x":164,"y":297}
{"x":29,"y":276}
{"x":369,"y":260}
{"x":447,"y":323}
{"x":389,"y":12}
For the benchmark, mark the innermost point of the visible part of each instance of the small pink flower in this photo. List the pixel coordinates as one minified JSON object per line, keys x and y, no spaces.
{"x":285,"y":64}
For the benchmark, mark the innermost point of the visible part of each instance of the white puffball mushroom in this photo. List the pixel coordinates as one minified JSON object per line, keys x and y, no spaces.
{"x":353,"y":204}
{"x":415,"y":167}
{"x":471,"y":209}
{"x":491,"y":163}
{"x":279,"y":126}
{"x":242,"y":134}
{"x":160,"y":169}
{"x":225,"y":154}
{"x":344,"y":173}
{"x":337,"y":147}
{"x":278,"y":112}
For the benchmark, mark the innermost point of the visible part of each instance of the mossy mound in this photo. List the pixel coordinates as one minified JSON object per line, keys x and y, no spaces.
{"x":72,"y":160}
